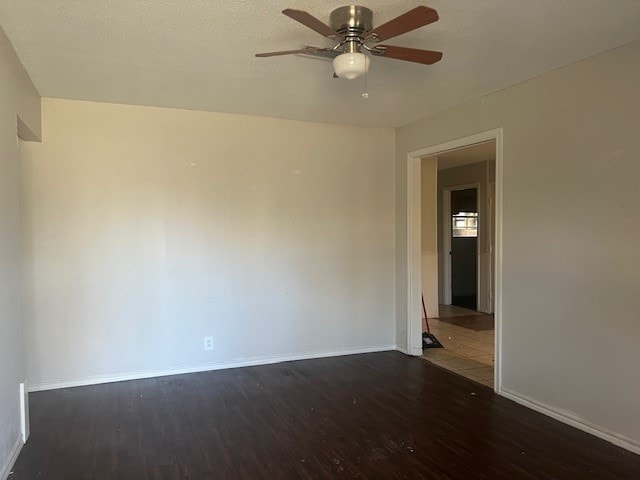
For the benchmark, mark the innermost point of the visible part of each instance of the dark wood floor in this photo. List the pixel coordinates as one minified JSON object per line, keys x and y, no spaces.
{"x":373,"y":416}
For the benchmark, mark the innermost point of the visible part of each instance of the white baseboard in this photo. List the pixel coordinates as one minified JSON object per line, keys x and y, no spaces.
{"x":13,"y":456}
{"x":24,"y":412}
{"x":245,"y":362}
{"x":573,"y":420}
{"x":402,"y":349}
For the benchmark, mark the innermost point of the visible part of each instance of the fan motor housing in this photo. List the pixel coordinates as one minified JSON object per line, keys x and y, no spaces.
{"x":352,"y":20}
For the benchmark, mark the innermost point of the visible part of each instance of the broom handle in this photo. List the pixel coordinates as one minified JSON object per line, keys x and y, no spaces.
{"x":426,"y":320}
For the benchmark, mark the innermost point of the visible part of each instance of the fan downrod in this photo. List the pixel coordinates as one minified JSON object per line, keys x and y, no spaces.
{"x":351,"y":21}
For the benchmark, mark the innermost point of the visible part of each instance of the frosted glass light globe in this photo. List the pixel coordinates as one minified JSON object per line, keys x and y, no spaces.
{"x":351,"y":65}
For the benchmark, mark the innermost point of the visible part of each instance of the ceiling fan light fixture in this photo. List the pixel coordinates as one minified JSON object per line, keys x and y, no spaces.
{"x":353,"y":29}
{"x":351,"y":65}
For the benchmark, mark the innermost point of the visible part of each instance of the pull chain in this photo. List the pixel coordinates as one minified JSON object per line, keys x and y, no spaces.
{"x":365,"y":94}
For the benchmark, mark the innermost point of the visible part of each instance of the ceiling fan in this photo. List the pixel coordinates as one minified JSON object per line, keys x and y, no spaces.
{"x":352,"y":27}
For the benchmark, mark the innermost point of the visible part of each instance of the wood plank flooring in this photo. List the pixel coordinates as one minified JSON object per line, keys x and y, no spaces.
{"x":478,"y":323}
{"x":372,"y":416}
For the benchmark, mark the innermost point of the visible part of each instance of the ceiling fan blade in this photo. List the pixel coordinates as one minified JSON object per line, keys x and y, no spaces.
{"x":312,"y":22}
{"x":306,"y":50}
{"x":416,"y":18}
{"x":416,"y":55}
{"x":274,"y":54}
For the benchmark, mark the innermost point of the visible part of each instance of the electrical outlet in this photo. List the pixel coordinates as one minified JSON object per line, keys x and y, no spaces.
{"x":207,"y":343}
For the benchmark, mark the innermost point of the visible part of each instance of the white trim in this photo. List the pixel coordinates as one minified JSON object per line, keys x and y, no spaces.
{"x":497,"y":245}
{"x":491,"y":220}
{"x":413,"y":320}
{"x":24,"y":412}
{"x":13,"y":456}
{"x":205,"y":367}
{"x":413,"y":352}
{"x":417,"y":351}
{"x":446,"y":237}
{"x":573,"y":421}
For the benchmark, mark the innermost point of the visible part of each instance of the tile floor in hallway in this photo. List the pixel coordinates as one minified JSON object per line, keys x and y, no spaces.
{"x":468,"y":339}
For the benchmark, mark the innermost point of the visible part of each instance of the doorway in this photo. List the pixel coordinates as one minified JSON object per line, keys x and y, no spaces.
{"x":464,"y":323}
{"x":471,"y":292}
{"x":462,"y":245}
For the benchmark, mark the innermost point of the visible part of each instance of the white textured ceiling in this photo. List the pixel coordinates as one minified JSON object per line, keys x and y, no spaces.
{"x":198,"y":54}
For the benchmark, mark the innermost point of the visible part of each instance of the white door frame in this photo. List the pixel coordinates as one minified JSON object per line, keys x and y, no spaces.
{"x":491,"y":201}
{"x":446,"y":240}
{"x":414,"y":281}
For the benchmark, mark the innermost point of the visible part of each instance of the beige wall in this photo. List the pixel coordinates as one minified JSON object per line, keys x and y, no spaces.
{"x":429,"y":233}
{"x":18,"y":97}
{"x":571,"y":329}
{"x":147,"y":229}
